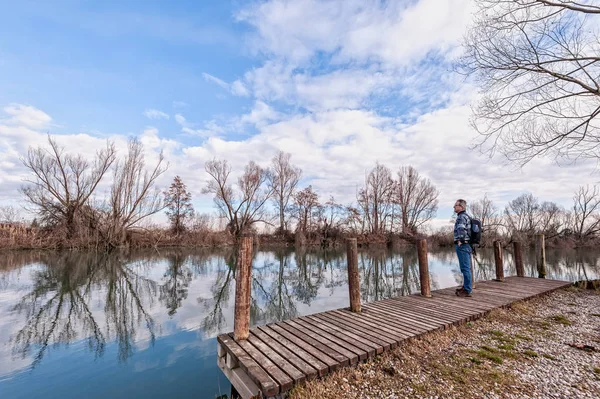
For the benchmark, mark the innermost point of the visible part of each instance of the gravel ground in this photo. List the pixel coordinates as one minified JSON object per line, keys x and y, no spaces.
{"x":548,"y":347}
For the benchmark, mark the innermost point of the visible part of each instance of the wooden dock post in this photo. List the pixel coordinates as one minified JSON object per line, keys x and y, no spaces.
{"x":540,"y":255}
{"x":243,"y":276}
{"x":353,"y":276}
{"x":498,"y":259}
{"x":518,"y":259}
{"x":423,"y":268}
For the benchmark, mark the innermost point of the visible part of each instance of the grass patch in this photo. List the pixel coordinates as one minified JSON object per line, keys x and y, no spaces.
{"x":506,"y":347}
{"x":496,"y":333}
{"x":547,"y":356}
{"x":530,"y":353}
{"x":476,"y":360}
{"x":523,"y":337}
{"x":560,"y":319}
{"x":489,"y":356}
{"x":597,"y":370}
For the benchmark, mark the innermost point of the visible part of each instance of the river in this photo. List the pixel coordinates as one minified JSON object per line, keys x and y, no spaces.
{"x":144,"y":323}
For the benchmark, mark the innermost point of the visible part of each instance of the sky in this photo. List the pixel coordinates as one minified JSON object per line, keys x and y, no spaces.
{"x":341,"y":85}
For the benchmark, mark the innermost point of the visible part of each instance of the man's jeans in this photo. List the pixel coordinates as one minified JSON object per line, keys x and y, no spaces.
{"x":464,"y":259}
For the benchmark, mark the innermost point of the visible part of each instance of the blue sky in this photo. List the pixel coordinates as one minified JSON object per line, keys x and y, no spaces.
{"x":340,"y":85}
{"x":99,"y":65}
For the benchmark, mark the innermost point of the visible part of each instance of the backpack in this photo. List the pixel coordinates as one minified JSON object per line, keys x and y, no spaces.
{"x":475,"y":233}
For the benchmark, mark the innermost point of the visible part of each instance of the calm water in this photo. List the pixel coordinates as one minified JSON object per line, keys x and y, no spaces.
{"x":143,"y":324}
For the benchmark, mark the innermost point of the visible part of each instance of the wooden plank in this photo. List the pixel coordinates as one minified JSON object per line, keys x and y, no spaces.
{"x":370,"y":325}
{"x":409,"y":317}
{"x":506,"y":292}
{"x":308,"y":338}
{"x":424,"y":310}
{"x":306,"y":368}
{"x":291,"y":341}
{"x":284,"y":364}
{"x":307,"y":371}
{"x":496,"y":292}
{"x":267,"y":385}
{"x":457,"y":303}
{"x":417,"y":315}
{"x":241,"y":381}
{"x":335,"y":341}
{"x":465,"y":303}
{"x":381,"y":340}
{"x":476,"y":299}
{"x":396,"y":323}
{"x":433,"y":303}
{"x":453,"y":309}
{"x":365,"y":316}
{"x":401,"y":321}
{"x":355,"y":335}
{"x":284,"y":381}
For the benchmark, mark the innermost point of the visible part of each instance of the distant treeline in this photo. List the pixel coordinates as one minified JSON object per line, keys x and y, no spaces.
{"x":391,"y":206}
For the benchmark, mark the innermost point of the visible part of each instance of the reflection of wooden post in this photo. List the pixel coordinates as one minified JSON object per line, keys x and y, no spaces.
{"x":423,"y":268}
{"x":498,"y":259}
{"x":243,"y":275}
{"x":540,"y":255}
{"x":518,"y":259}
{"x":353,"y":277}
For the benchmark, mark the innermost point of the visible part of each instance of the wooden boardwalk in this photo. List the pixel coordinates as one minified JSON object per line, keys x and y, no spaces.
{"x":277,"y":356}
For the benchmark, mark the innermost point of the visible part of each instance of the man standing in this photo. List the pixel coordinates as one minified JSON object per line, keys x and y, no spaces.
{"x":462,"y":229}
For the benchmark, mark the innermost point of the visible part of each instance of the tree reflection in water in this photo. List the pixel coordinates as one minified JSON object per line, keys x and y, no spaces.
{"x":178,"y":277}
{"x":58,"y":306}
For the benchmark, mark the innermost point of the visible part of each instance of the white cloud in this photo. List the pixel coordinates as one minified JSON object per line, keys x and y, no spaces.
{"x":237,"y":88}
{"x":26,"y":116}
{"x":180,"y":119}
{"x":210,"y":78}
{"x":155,"y":114}
{"x":393,"y":33}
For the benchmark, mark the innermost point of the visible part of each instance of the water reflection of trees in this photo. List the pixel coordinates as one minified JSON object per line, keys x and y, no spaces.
{"x":561,"y":264}
{"x":177,"y":278}
{"x":58,"y":306}
{"x":387,"y":274}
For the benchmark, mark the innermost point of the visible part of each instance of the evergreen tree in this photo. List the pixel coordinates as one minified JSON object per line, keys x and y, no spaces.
{"x":179,"y":205}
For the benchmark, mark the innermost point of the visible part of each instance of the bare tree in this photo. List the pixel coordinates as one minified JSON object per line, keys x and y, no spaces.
{"x":9,"y":214}
{"x":178,"y":202}
{"x":133,"y":196}
{"x":63,"y":183}
{"x":521,"y":215}
{"x":305,"y":202}
{"x":376,"y":198}
{"x":246,"y":207}
{"x":538,"y":66}
{"x":417,"y":198}
{"x":550,"y":219}
{"x":485,"y":210}
{"x":585,"y":217}
{"x":283,"y":180}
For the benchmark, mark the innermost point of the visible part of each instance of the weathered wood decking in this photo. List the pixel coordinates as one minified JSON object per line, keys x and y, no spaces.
{"x":277,"y":356}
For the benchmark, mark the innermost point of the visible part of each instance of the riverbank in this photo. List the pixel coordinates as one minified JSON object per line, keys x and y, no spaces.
{"x":547,"y":347}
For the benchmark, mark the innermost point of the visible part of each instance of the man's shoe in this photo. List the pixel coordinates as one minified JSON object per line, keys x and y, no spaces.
{"x":459,"y":289}
{"x":464,"y":294}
